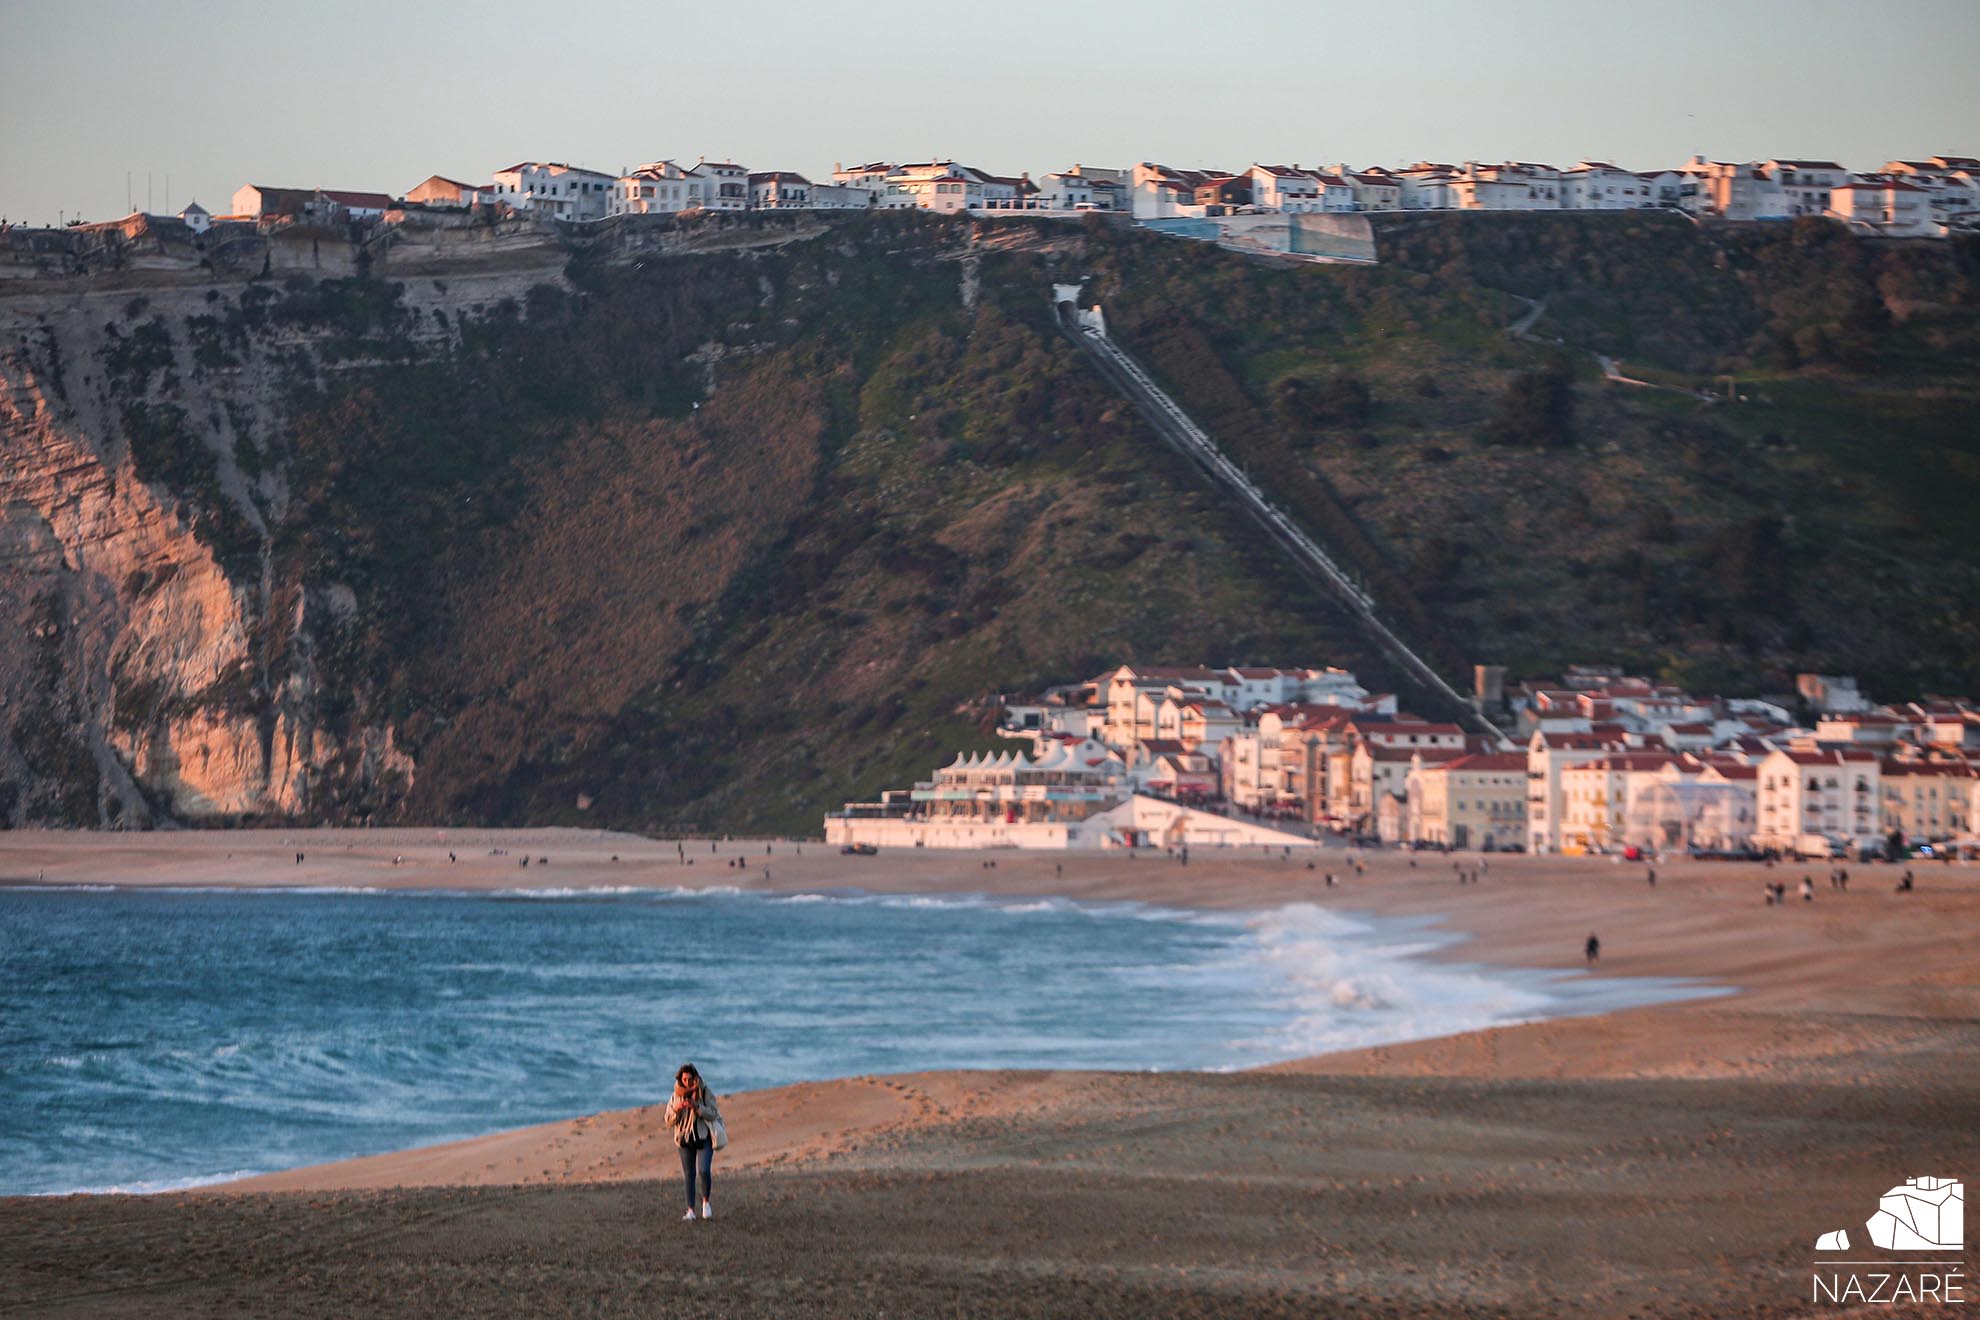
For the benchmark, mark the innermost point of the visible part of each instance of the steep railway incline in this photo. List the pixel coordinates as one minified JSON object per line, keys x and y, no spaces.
{"x":1088,"y":330}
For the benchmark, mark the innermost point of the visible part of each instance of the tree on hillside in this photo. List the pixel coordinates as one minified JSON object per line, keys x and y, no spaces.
{"x":1536,"y":410}
{"x":1340,"y":398}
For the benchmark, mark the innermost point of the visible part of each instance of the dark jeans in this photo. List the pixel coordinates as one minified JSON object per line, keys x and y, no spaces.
{"x":706,"y":1153}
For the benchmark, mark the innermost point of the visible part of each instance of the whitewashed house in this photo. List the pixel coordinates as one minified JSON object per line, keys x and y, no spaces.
{"x":719,"y":185}
{"x":1067,"y":191}
{"x":1335,"y":192}
{"x":1285,"y":188}
{"x":1003,"y":193}
{"x":837,"y":197}
{"x":1890,"y":207}
{"x":1086,"y":188}
{"x":1837,"y":794}
{"x":1159,"y":192}
{"x":1372,"y":191}
{"x":942,"y":186}
{"x":1595,"y":185}
{"x":657,"y":189}
{"x":1665,"y":188}
{"x":1508,"y":187}
{"x":555,"y":190}
{"x":1806,"y":185}
{"x":872,"y":176}
{"x":1476,"y":801}
{"x":1952,"y":190}
{"x":1426,"y":186}
{"x":197,"y":218}
{"x":779,"y":190}
{"x":1734,"y":190}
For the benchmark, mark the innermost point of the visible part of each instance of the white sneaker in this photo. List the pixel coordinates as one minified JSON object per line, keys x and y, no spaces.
{"x":689,"y":1216}
{"x":707,"y":1210}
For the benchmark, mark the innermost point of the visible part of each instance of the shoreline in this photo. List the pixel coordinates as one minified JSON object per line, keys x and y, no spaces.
{"x":1494,"y":924}
{"x":1672,"y":1160}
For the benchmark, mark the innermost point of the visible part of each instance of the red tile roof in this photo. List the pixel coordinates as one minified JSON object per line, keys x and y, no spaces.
{"x":1488,"y":761}
{"x":360,"y":201}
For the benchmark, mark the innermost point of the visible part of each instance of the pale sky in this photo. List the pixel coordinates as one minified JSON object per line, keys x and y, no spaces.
{"x":376,"y":95}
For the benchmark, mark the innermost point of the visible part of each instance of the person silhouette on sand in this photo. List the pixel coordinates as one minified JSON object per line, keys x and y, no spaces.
{"x":1593,"y":948}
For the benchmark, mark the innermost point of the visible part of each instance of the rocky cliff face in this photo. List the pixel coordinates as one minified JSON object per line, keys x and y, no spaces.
{"x":153,"y":664}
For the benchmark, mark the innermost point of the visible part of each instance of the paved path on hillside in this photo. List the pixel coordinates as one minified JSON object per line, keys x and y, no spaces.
{"x":1611,"y":367}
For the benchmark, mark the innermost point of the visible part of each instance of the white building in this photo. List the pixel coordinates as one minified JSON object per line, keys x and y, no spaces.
{"x":779,"y":190}
{"x":1596,"y":797}
{"x":1665,"y":188}
{"x":1951,"y":185}
{"x":197,"y":218}
{"x":1548,"y":755}
{"x":1836,"y":794}
{"x":1426,"y":186}
{"x":1159,"y":192}
{"x":1806,"y":185}
{"x":1001,"y":193}
{"x":871,"y":176}
{"x":1285,"y":188}
{"x":1373,"y":190}
{"x":1503,"y":188}
{"x":719,"y":185}
{"x":1476,"y":801}
{"x":835,"y":197}
{"x":941,"y":186}
{"x":1734,"y":191}
{"x":555,"y":190}
{"x":1595,"y":185}
{"x":1335,"y":192}
{"x":650,"y":190}
{"x":1890,"y":207}
{"x":1083,"y":188}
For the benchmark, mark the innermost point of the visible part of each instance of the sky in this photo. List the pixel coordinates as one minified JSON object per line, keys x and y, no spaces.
{"x":375,"y":95}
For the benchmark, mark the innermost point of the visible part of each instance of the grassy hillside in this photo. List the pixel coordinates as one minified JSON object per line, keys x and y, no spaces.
{"x":1541,"y":514}
{"x":588,"y":577}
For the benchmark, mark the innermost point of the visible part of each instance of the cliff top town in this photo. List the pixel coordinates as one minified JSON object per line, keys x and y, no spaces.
{"x":1923,"y":198}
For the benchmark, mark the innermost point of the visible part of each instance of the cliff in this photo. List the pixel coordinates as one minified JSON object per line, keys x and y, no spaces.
{"x":715,"y":523}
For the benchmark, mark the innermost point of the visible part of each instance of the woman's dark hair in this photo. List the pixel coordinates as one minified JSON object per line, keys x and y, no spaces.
{"x":689,"y":1069}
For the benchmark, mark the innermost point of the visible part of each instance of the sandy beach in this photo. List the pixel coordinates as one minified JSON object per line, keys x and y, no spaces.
{"x":1673,"y":1160}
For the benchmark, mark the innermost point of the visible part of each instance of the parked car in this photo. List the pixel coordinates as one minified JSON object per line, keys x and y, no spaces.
{"x":859,"y":850}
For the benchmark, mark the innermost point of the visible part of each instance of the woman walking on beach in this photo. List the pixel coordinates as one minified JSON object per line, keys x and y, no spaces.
{"x":697,"y":1125}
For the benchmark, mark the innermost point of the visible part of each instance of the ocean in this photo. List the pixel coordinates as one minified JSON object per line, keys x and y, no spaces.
{"x":159,"y":1039}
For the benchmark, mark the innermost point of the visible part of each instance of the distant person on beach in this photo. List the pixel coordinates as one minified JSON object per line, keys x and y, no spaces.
{"x":1807,"y":889}
{"x":1593,"y":948}
{"x":696,"y":1122}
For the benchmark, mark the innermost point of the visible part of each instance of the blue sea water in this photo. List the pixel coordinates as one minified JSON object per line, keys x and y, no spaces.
{"x":153,"y":1039}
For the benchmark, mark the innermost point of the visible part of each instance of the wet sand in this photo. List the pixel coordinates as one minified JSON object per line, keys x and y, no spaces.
{"x":1674,"y":1160}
